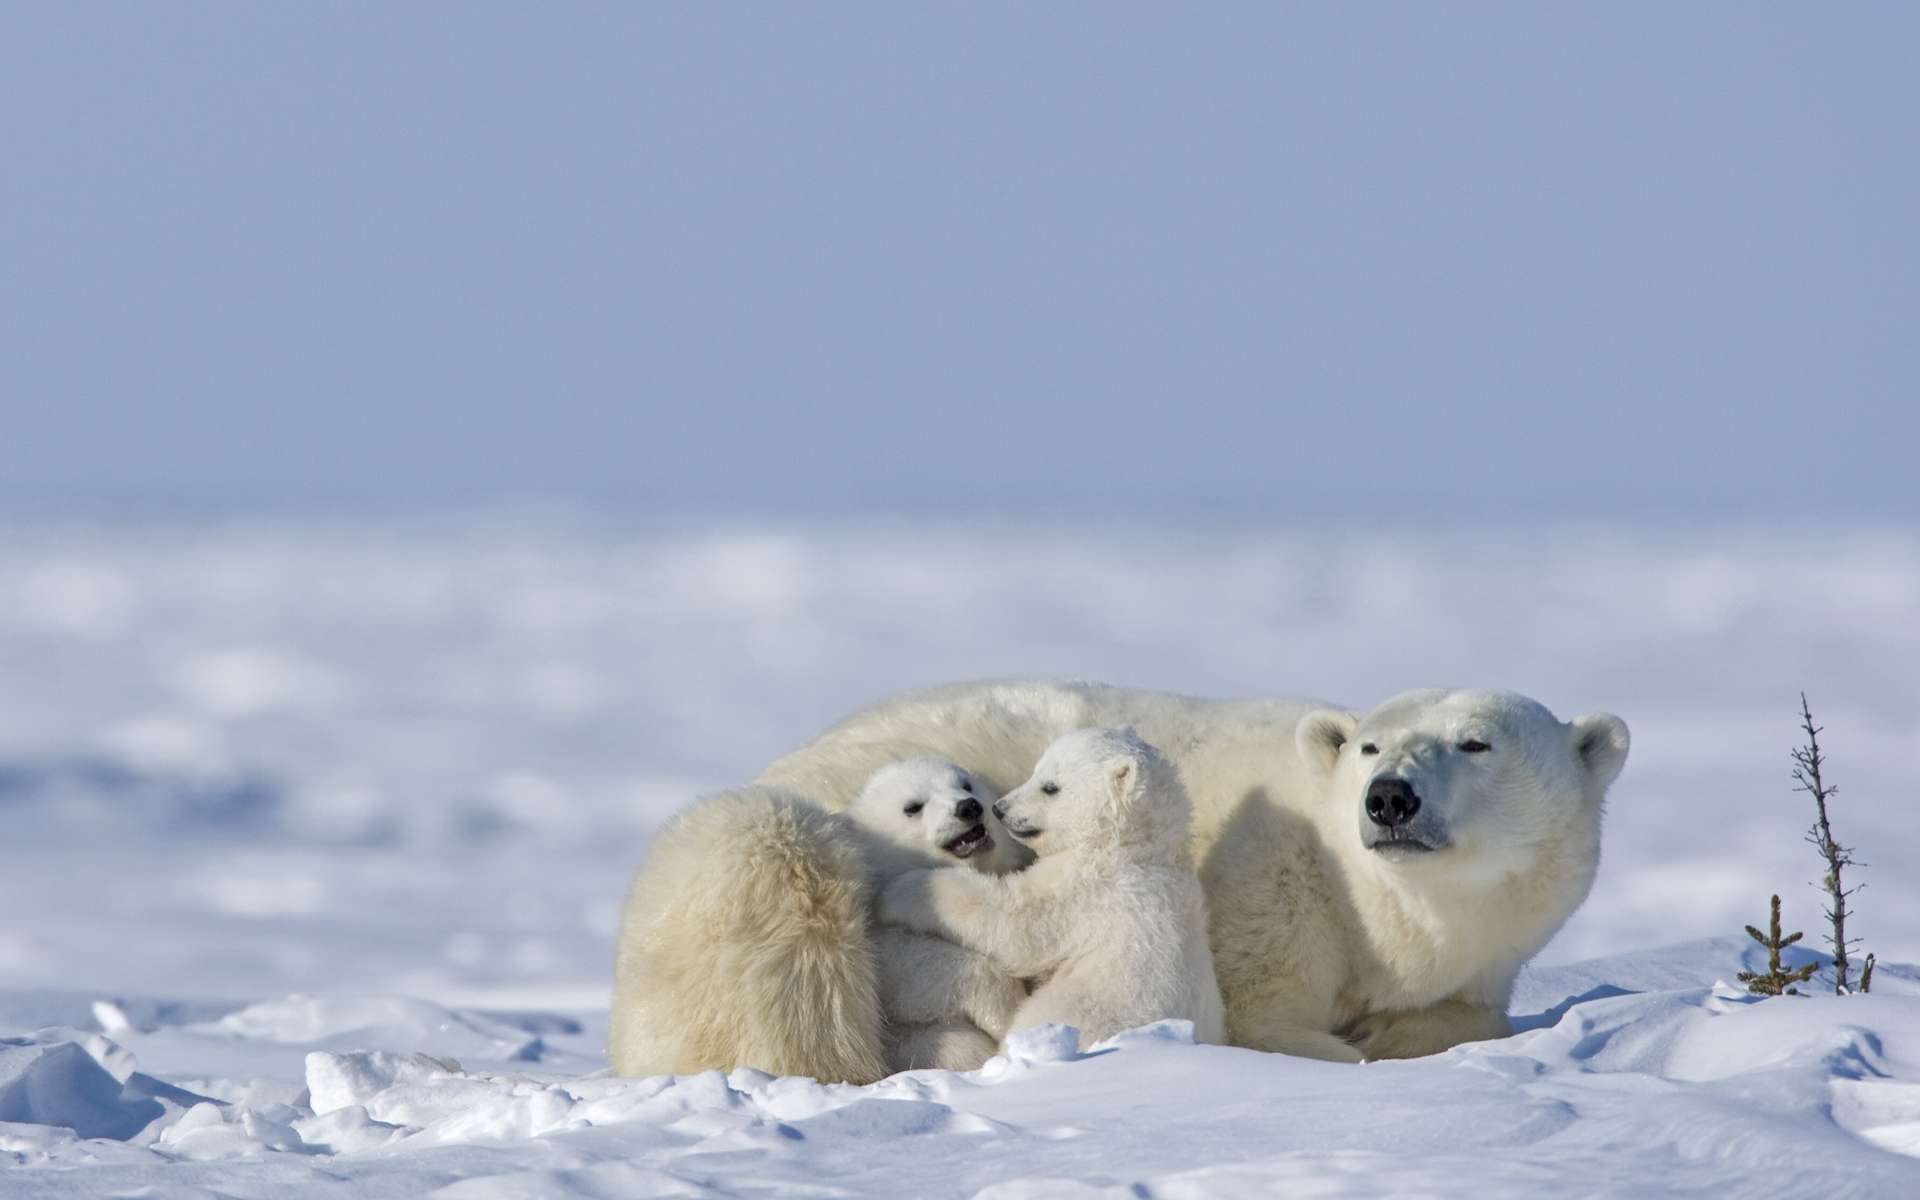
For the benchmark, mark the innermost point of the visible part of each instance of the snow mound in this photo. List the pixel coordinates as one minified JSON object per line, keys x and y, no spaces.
{"x":1616,"y":1087}
{"x":1041,"y":1044}
{"x":62,"y":1083}
{"x":417,"y":1094}
{"x":380,"y":1022}
{"x":77,"y":1086}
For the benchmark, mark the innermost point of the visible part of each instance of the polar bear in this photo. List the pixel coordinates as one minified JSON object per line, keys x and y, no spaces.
{"x":746,"y":938}
{"x":1110,"y":918}
{"x":1374,"y":881}
{"x":942,"y":1005}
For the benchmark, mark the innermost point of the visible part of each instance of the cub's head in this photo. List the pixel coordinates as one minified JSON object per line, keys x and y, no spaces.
{"x":1100,"y":789}
{"x":928,"y":812}
{"x":1480,"y":784}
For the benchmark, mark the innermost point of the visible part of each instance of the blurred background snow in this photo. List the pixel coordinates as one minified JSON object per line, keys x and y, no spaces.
{"x":245,"y":756}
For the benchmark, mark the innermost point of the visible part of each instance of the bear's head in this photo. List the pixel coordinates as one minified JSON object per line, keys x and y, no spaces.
{"x":927,"y":812}
{"x":1480,"y":784}
{"x":1101,"y":789}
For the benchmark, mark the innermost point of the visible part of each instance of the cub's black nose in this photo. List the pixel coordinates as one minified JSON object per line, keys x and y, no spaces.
{"x":968,"y":809}
{"x":1000,"y":809}
{"x":1391,"y":802}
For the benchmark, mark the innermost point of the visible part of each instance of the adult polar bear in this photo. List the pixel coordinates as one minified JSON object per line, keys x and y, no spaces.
{"x":1374,"y":881}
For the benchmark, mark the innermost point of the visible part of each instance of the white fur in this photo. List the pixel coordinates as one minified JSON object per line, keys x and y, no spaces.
{"x":1111,"y":917}
{"x":944,"y":1005}
{"x":746,"y":937}
{"x":744,"y":943}
{"x":1322,"y":946}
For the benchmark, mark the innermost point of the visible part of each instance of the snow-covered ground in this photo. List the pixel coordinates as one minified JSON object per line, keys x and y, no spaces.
{"x":286,"y":805}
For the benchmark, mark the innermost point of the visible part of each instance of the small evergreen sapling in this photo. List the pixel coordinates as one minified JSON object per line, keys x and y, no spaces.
{"x":1778,"y":980}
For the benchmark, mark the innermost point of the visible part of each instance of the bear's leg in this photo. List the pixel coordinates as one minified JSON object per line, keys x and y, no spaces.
{"x":954,"y":1046}
{"x":1423,"y":1031}
{"x":1284,"y":1001}
{"x":925,"y":980}
{"x":1098,"y":1008}
{"x":1014,"y":919}
{"x":1298,"y":1040}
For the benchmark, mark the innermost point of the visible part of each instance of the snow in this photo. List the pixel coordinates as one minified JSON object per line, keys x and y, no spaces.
{"x":316,"y":833}
{"x":1609,"y":1091}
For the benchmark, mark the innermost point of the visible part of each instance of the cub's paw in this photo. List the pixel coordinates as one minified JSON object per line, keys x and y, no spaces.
{"x":1422,"y":1032}
{"x":996,"y":997}
{"x":1388,"y":1035}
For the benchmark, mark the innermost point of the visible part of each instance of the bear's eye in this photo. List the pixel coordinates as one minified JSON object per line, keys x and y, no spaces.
{"x":1369,"y":748}
{"x":913,"y":810}
{"x":1049,"y":789}
{"x":1474,"y":746}
{"x":966,"y":785}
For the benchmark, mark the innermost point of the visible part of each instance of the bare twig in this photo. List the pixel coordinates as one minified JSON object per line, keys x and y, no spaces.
{"x":1807,"y":764}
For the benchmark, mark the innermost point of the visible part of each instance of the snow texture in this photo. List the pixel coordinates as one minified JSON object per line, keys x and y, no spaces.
{"x":316,"y":836}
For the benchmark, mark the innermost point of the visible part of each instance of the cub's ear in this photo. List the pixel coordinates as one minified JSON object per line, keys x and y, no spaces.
{"x":1320,"y":735}
{"x":1600,"y":741}
{"x":1123,"y":775}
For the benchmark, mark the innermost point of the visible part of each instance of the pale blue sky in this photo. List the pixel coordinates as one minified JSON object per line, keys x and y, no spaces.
{"x":767,"y":257}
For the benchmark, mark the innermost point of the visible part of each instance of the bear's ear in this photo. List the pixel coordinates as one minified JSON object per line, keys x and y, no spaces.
{"x":1122,"y":776}
{"x":1320,"y":735}
{"x":1600,"y":740}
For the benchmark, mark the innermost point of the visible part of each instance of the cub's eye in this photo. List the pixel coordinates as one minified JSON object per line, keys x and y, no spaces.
{"x":1049,"y":789}
{"x":913,"y":810}
{"x":1474,"y":746}
{"x":1369,"y":748}
{"x":966,"y":785}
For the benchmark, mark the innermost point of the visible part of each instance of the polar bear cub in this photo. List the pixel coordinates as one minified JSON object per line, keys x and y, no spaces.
{"x":748,"y":938}
{"x":1111,"y":918}
{"x":944,"y":1005}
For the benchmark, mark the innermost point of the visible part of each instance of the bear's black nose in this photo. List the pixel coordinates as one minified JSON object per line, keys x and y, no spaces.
{"x":1000,"y":809}
{"x":968,"y":809}
{"x":1391,"y":802}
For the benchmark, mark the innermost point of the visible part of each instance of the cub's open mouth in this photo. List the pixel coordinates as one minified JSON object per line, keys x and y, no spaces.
{"x":973,"y":841}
